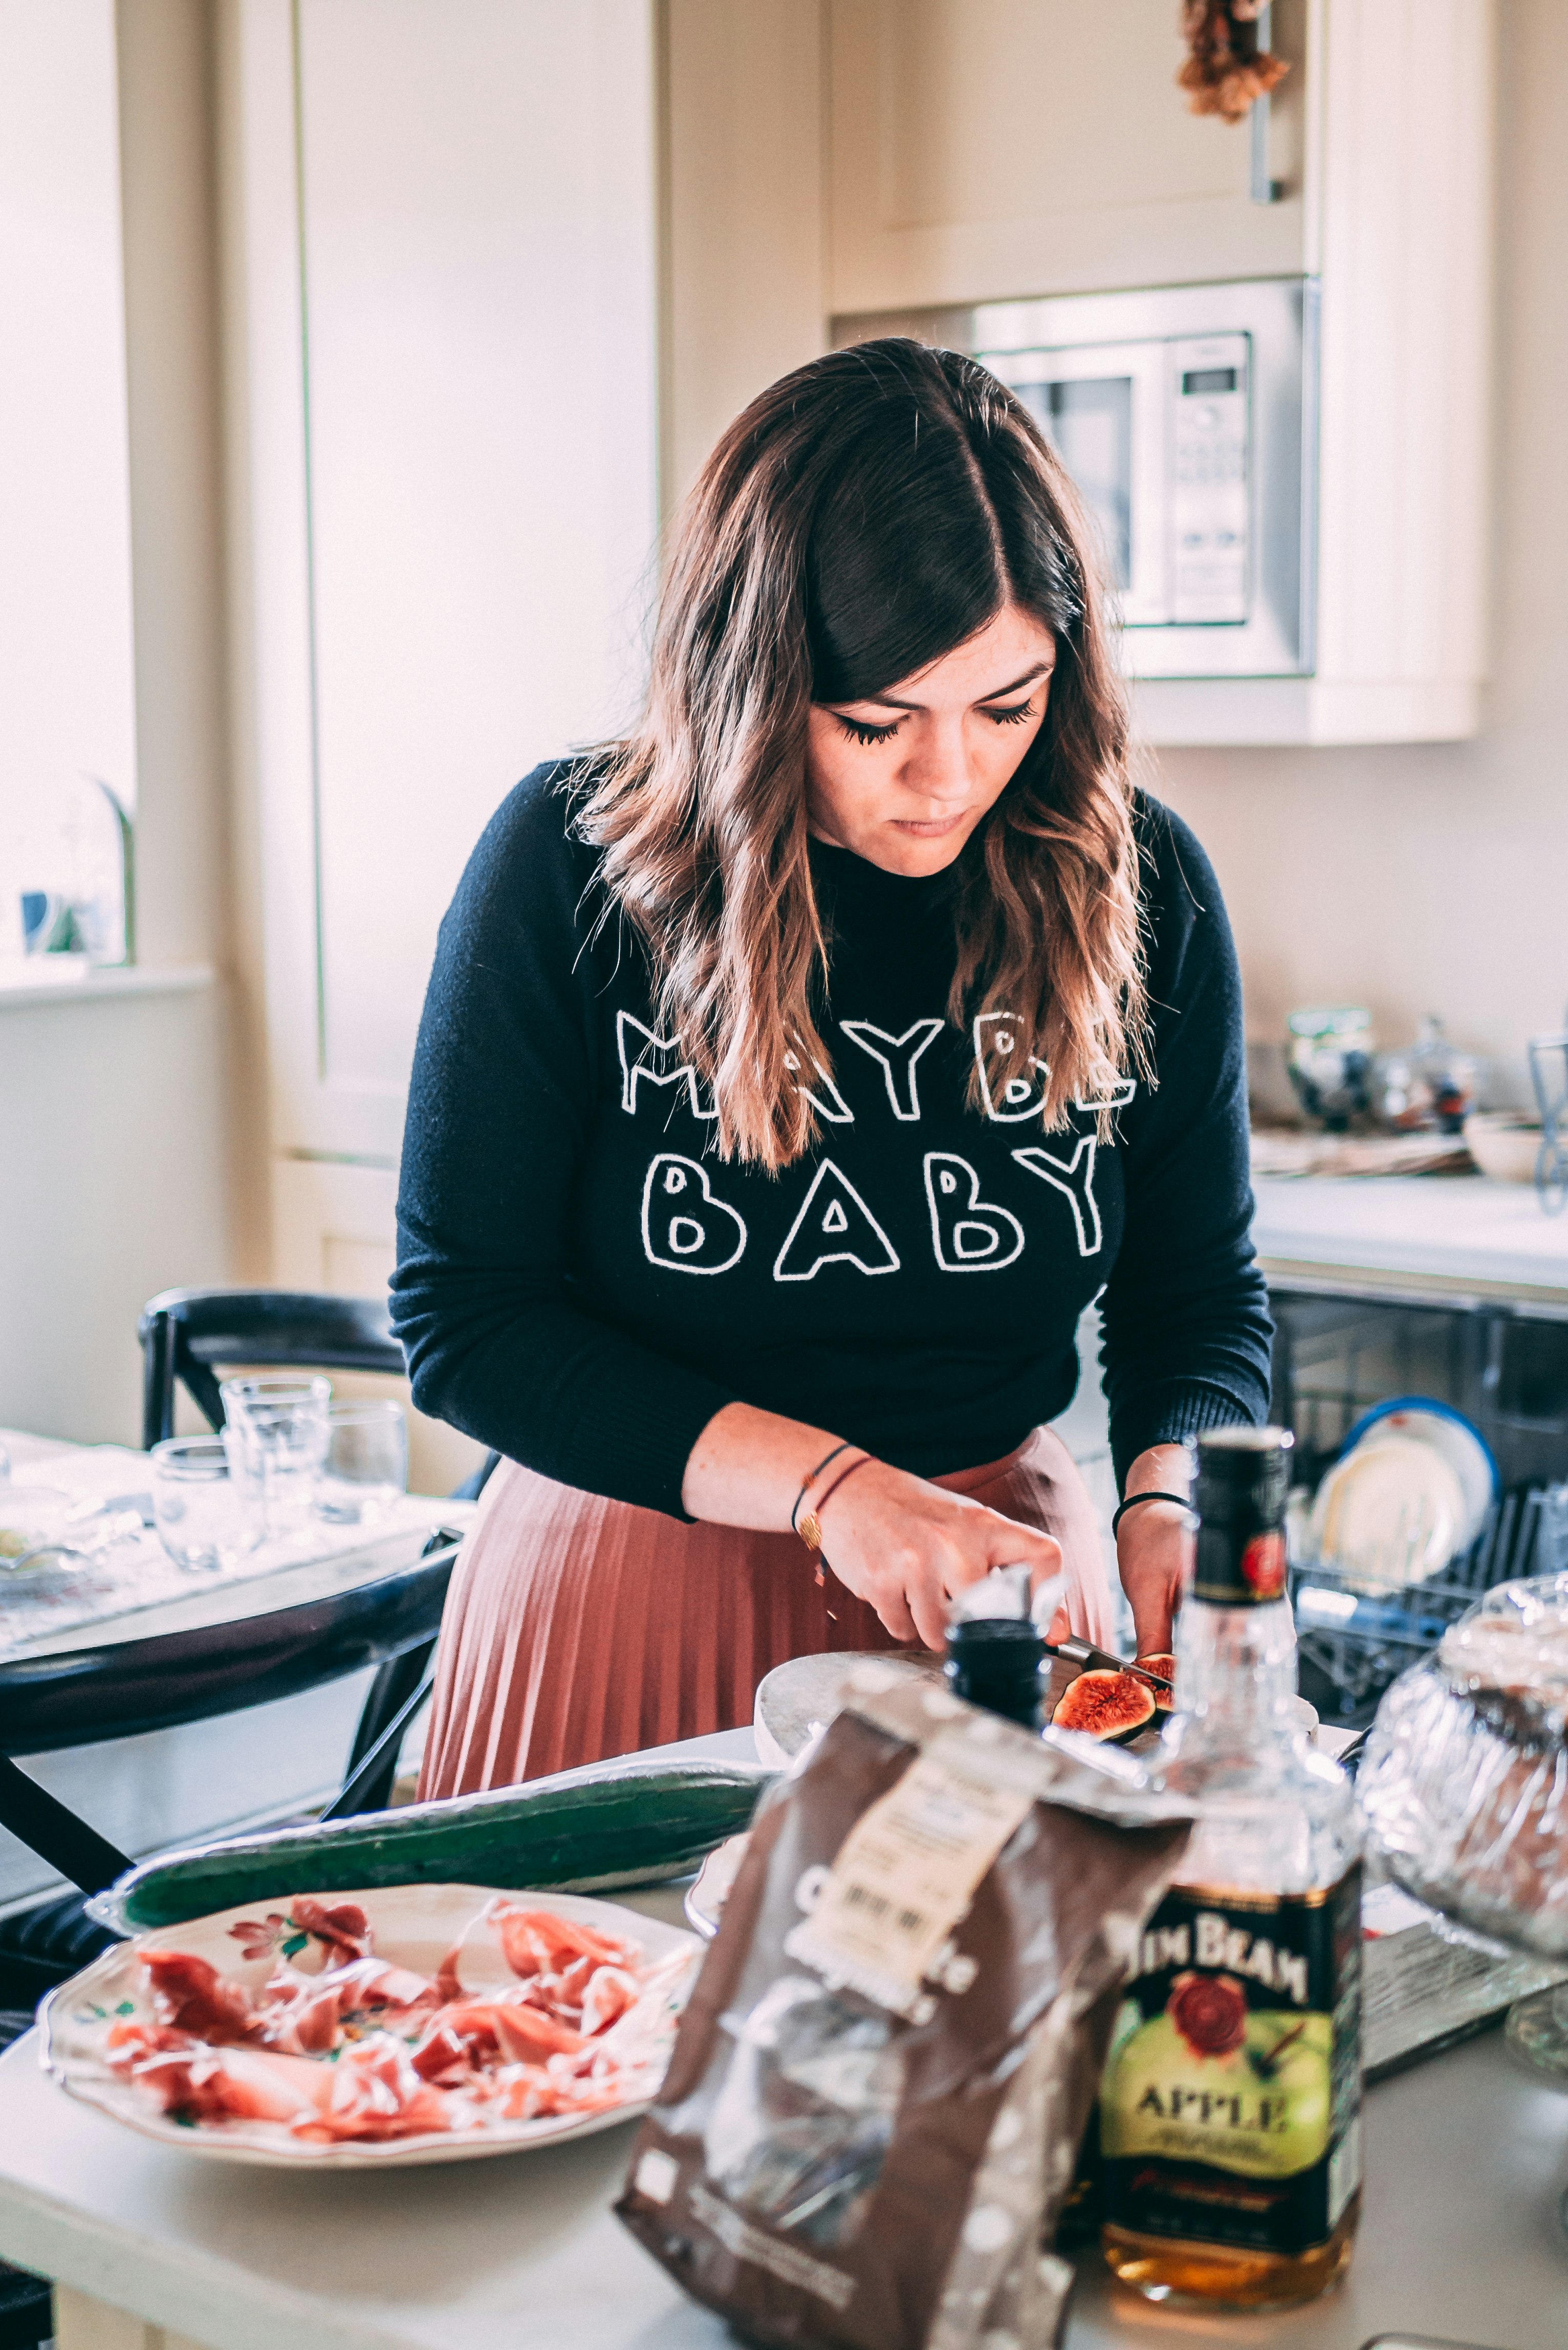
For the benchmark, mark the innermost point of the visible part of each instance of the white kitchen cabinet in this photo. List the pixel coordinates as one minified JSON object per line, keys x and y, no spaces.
{"x":440,"y":262}
{"x":986,"y":151}
{"x":983,"y":151}
{"x":1398,"y":227}
{"x":745,"y":295}
{"x":998,"y":149}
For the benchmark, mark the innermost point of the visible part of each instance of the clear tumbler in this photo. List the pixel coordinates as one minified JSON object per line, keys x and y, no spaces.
{"x":367,"y":1463}
{"x":277,"y":1426}
{"x":207,"y":1508}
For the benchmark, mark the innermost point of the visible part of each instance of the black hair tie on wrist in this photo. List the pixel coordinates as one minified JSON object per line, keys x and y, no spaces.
{"x":1182,"y":1501}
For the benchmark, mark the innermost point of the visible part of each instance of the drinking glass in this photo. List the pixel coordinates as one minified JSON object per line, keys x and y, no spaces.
{"x":207,"y":1507}
{"x":367,"y":1463}
{"x":277,"y":1426}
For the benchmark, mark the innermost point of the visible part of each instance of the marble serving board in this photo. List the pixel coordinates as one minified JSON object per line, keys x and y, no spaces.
{"x":806,"y":1690}
{"x":803,"y":1691}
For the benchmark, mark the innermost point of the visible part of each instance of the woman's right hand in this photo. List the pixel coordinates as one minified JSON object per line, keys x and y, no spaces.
{"x":906,"y":1547}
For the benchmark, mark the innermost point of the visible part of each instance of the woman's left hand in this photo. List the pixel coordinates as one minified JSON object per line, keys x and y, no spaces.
{"x":1154,"y":1546}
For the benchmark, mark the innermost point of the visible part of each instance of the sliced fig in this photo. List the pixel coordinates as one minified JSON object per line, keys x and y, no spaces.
{"x":1163,"y":1663}
{"x":1113,"y":1707}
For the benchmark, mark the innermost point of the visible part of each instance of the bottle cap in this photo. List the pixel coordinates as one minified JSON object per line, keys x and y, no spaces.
{"x":997,"y":1663}
{"x":1243,"y":1483}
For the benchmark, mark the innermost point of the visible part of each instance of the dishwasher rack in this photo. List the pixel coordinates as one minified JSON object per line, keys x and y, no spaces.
{"x":1355,"y":1635}
{"x":1506,"y":1368}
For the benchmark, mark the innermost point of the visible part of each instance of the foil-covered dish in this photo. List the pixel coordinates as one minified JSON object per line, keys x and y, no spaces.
{"x":1464,"y":1783}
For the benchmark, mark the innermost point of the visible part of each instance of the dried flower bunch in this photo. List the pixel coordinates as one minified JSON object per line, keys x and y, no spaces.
{"x":1225,"y":70}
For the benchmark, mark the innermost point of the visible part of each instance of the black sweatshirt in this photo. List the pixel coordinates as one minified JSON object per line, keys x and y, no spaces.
{"x":582,"y":1284}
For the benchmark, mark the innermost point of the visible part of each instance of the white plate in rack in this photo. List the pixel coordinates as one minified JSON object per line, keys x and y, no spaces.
{"x":1422,"y":1419}
{"x":1390,"y":1512}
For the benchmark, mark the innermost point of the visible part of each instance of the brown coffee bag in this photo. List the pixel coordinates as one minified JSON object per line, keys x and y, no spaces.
{"x":876,"y":2097}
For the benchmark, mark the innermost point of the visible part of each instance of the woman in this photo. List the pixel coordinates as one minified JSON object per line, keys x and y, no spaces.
{"x":794,"y":1073}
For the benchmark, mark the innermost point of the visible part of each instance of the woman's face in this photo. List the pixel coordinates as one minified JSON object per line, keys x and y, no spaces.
{"x":903,"y":779}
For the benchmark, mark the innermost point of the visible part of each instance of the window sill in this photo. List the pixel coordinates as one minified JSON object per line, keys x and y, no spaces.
{"x":133,"y":979}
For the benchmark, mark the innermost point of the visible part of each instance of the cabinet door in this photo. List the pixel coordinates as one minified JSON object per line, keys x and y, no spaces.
{"x":744,"y":284}
{"x":442,"y":223}
{"x":984,"y":150}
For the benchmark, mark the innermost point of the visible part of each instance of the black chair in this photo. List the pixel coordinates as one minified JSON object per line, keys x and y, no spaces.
{"x":87,"y":1695}
{"x":189,"y":1337}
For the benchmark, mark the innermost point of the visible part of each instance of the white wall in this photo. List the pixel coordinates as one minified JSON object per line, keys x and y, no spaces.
{"x":745,"y":295}
{"x":66,"y":701}
{"x":111,"y":1187}
{"x":121,"y":1135}
{"x":175,"y":472}
{"x":1436,"y":877}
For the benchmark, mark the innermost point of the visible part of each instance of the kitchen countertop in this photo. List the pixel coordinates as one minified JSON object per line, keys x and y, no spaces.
{"x":1466,"y":2159}
{"x":1413,"y":1235}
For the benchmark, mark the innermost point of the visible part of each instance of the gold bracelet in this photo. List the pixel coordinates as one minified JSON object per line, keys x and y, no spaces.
{"x":810,"y":1479}
{"x":810,"y":1527}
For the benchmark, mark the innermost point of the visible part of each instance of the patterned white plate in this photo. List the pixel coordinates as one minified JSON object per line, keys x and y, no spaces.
{"x":414,"y":1926}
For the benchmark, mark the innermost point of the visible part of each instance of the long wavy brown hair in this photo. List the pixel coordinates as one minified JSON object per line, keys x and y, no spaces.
{"x":863,"y":517}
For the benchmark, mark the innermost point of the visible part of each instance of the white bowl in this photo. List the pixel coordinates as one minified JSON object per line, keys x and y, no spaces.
{"x":1504,"y":1143}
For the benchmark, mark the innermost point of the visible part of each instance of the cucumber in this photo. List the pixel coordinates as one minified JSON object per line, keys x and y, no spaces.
{"x":585,"y":1831}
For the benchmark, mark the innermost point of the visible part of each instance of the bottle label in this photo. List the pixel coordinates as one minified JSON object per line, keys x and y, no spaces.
{"x":1239,"y":1568}
{"x":1231,"y":2104}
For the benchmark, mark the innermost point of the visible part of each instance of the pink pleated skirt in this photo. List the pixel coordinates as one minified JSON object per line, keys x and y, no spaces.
{"x":577,"y":1627}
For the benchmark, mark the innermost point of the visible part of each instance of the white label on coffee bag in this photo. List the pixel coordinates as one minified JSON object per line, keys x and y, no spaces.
{"x":906,"y":1871}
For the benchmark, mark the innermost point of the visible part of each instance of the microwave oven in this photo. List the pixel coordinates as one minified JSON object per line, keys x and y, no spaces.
{"x":1186,"y":416}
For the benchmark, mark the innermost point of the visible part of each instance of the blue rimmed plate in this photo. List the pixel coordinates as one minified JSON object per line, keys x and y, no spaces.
{"x":1421,"y":1419}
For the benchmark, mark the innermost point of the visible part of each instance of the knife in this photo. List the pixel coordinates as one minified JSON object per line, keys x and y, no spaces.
{"x":1100,"y":1660}
{"x":1006,"y":1592}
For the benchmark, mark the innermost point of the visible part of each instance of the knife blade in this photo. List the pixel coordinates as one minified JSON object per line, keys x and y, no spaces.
{"x":1100,"y":1660}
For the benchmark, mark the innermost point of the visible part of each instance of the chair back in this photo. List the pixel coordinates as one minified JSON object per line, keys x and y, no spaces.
{"x":189,"y":1337}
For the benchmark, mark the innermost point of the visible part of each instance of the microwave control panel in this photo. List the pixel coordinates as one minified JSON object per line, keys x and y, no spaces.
{"x":1209,"y":507}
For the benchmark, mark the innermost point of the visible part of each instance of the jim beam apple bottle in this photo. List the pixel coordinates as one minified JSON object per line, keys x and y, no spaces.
{"x":1230,"y":2108}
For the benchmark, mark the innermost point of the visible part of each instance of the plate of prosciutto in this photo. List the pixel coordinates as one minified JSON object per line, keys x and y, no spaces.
{"x":412,"y":2024}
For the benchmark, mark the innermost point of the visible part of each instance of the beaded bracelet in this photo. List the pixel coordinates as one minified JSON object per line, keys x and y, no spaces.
{"x":1182,"y":1500}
